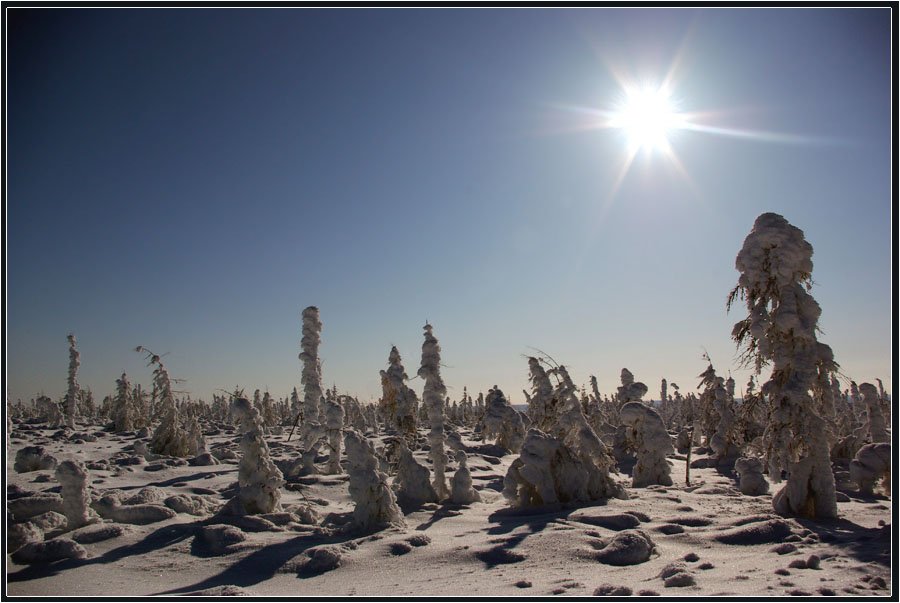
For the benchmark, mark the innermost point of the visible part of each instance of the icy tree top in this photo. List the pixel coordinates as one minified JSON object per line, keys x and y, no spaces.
{"x":312,"y":369}
{"x":430,"y":370}
{"x":775,"y":254}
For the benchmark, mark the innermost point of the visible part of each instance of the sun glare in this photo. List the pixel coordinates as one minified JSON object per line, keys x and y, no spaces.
{"x":647,"y":117}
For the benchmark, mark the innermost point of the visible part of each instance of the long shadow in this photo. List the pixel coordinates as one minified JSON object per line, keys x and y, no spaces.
{"x":159,"y":539}
{"x":502,"y":552}
{"x":180,"y":478}
{"x":442,"y":512}
{"x":262,"y":564}
{"x":864,"y":544}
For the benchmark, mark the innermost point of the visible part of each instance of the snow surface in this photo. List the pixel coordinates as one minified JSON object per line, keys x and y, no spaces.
{"x":703,"y":540}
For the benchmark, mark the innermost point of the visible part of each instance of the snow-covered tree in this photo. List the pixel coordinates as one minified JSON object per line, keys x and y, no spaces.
{"x":76,"y":494}
{"x":311,"y":430}
{"x":411,"y":484}
{"x":259,"y":480}
{"x":399,"y":405}
{"x":461,"y":490}
{"x":433,"y":401}
{"x":169,"y":437}
{"x":123,"y":409}
{"x":501,"y":420}
{"x":334,"y":423}
{"x":652,"y":443}
{"x":375,"y":505}
{"x":775,"y":263}
{"x":870,"y":397}
{"x":73,"y":390}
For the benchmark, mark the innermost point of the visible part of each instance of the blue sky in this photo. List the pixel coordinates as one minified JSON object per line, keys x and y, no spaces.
{"x":190,"y":180}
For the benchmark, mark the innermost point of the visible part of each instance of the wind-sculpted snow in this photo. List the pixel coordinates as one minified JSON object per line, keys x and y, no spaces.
{"x":76,"y":494}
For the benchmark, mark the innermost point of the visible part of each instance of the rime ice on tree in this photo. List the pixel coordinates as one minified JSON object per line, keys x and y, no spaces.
{"x":73,"y":389}
{"x":775,"y":263}
{"x":398,"y":402}
{"x":376,"y":506}
{"x":169,"y":437}
{"x":651,"y":442}
{"x":411,"y":483}
{"x":73,"y":481}
{"x":461,"y":490}
{"x":259,"y":479}
{"x":502,"y":421}
{"x":334,"y":422}
{"x":877,"y":431}
{"x":433,"y":401}
{"x":123,"y":412}
{"x":311,"y":432}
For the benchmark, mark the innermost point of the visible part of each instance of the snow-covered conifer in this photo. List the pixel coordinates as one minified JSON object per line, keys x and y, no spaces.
{"x":775,"y":263}
{"x":259,"y":479}
{"x":123,"y":409}
{"x":311,"y":431}
{"x":73,"y":389}
{"x":398,"y":402}
{"x":376,"y":506}
{"x":73,"y":481}
{"x":433,"y":402}
{"x":877,"y":431}
{"x":411,"y":484}
{"x":461,"y":490}
{"x":169,"y":437}
{"x":652,"y":443}
{"x":501,"y":420}
{"x":334,"y":423}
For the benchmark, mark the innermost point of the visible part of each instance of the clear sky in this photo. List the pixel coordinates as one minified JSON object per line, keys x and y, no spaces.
{"x":190,"y":180}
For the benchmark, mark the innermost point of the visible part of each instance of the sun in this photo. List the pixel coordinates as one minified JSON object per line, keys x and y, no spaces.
{"x":648,"y":117}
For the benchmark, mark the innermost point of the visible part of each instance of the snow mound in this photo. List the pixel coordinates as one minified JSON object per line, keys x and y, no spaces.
{"x":33,"y":458}
{"x":96,"y":533}
{"x":627,"y":548}
{"x":320,"y":560}
{"x":49,"y":551}
{"x":217,"y":539}
{"x":770,"y":531}
{"x":610,"y":590}
{"x":617,"y":522}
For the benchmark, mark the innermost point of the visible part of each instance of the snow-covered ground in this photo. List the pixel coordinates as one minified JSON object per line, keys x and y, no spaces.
{"x":707,"y":538}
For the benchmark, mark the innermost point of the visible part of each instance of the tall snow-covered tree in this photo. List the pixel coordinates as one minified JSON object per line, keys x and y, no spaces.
{"x":71,"y":405}
{"x":775,"y":265}
{"x":433,"y":400}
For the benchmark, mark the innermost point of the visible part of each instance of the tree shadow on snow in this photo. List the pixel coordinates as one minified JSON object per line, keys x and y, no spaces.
{"x":158,"y":539}
{"x":867,"y":545}
{"x":263,"y":563}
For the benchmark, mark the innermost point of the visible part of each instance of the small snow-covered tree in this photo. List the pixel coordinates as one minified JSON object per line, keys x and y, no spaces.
{"x":542,"y":403}
{"x":123,"y":409}
{"x":375,"y":505}
{"x":411,"y":484}
{"x":259,"y":480}
{"x":75,"y":489}
{"x":775,"y":263}
{"x":461,"y":490}
{"x":334,"y":423}
{"x":652,"y":443}
{"x":399,"y":405}
{"x":73,"y":390}
{"x":433,"y":401}
{"x":169,"y":437}
{"x":871,"y":399}
{"x":502,"y":421}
